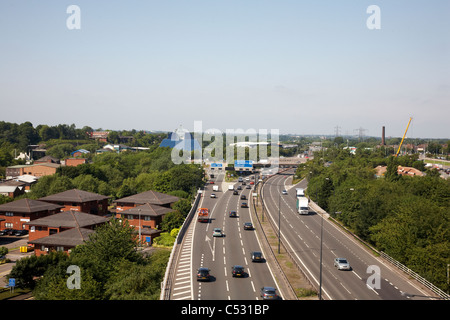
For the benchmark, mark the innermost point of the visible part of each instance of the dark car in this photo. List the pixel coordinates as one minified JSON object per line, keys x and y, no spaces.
{"x":233,"y":214}
{"x":248,"y":226}
{"x":203,"y":274}
{"x":243,"y":197}
{"x":239,"y":188}
{"x":256,"y":256}
{"x":248,"y":187}
{"x":268,"y":293}
{"x":7,"y":232}
{"x":244,"y":205}
{"x":20,"y":232}
{"x":237,"y":271}
{"x":235,"y":192}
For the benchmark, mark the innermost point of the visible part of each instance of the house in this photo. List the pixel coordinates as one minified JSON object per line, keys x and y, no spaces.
{"x":37,"y":170}
{"x":79,"y":153}
{"x":79,"y":200}
{"x":73,"y":162}
{"x":101,"y":136}
{"x":62,"y":231}
{"x":117,"y":147}
{"x":63,"y":241}
{"x":151,"y":197}
{"x":147,"y":218}
{"x":145,"y":211}
{"x":47,"y":159}
{"x":11,"y":191}
{"x":408,"y":171}
{"x":17,"y":214}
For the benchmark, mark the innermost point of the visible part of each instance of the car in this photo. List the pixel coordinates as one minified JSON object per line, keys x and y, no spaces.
{"x":244,"y":205}
{"x":233,"y":214}
{"x":252,"y":183}
{"x":248,"y":226}
{"x":239,"y":187}
{"x":268,"y":293}
{"x":217,"y":232}
{"x":243,"y":197}
{"x":20,"y":232}
{"x":7,"y":232}
{"x":284,"y":192}
{"x":235,"y":192}
{"x":342,"y":264}
{"x":237,"y":271}
{"x":211,"y":182}
{"x":243,"y":183}
{"x":256,"y":256}
{"x":203,"y":274}
{"x":213,"y":195}
{"x":248,"y":187}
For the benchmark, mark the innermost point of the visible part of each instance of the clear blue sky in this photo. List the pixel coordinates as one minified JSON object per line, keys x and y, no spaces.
{"x":298,"y":66}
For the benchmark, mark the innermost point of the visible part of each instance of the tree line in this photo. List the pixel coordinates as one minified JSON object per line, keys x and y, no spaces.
{"x":406,"y":217}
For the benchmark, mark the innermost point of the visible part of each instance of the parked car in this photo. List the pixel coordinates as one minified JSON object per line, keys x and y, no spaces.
{"x":217,"y":232}
{"x":233,"y":214}
{"x":342,"y":264}
{"x":268,"y":293}
{"x":256,"y":256}
{"x":203,"y":274}
{"x":20,"y":232}
{"x":237,"y":271}
{"x":248,"y":226}
{"x":7,"y":232}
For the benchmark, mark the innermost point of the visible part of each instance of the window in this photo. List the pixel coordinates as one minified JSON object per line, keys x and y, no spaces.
{"x":130,"y":217}
{"x":9,"y":214}
{"x":59,"y":248}
{"x":147,"y":218}
{"x":9,"y":225}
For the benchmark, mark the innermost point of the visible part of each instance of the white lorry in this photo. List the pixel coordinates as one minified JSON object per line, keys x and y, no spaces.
{"x":302,"y":205}
{"x":231,"y":187}
{"x":215,"y":188}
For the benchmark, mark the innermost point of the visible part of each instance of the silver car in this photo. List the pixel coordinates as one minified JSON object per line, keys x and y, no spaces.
{"x":342,"y":264}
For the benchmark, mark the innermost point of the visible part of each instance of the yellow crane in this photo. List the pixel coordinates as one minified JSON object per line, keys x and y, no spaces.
{"x":399,"y":147}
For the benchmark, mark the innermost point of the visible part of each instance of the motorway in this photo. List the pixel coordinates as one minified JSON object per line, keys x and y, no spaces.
{"x":219,"y":254}
{"x":301,"y":235}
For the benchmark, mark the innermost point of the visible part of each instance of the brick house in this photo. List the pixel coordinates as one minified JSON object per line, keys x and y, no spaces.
{"x":37,"y":170}
{"x":73,"y":162}
{"x":17,"y":214}
{"x":79,"y":200}
{"x":151,"y":197}
{"x":145,"y":210}
{"x":147,"y":217}
{"x":52,"y":232}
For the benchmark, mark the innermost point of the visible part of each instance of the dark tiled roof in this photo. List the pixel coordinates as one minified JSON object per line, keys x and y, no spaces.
{"x":69,"y":219}
{"x":151,"y":197}
{"x":74,"y":195}
{"x":148,"y":210}
{"x":28,"y":206}
{"x":68,"y":238}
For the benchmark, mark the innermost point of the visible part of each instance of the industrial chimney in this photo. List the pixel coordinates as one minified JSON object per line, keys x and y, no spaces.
{"x":383,"y":137}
